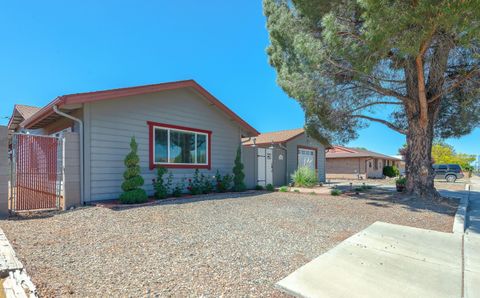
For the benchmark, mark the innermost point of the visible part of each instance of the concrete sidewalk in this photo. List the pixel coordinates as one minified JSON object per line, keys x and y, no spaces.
{"x":472,"y":242}
{"x":384,"y":260}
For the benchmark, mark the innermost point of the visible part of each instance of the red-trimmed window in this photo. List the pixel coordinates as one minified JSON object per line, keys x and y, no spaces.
{"x":174,"y":146}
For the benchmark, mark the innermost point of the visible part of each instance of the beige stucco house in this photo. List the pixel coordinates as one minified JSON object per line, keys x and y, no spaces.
{"x":353,"y":163}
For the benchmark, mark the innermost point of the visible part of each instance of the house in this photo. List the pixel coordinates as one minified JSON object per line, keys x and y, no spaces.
{"x":355,"y":163}
{"x":177,"y":125}
{"x":274,"y":156}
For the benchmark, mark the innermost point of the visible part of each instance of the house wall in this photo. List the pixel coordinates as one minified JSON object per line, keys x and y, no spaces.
{"x":110,"y":124}
{"x":249,"y":159}
{"x":346,"y":168}
{"x":279,"y":167}
{"x":354,"y":168}
{"x":292,"y":154}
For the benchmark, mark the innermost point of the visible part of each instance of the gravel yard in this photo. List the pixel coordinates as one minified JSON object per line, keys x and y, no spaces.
{"x":231,"y":245}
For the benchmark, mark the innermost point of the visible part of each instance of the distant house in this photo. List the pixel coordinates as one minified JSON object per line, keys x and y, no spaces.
{"x":348,"y":163}
{"x":271,"y":158}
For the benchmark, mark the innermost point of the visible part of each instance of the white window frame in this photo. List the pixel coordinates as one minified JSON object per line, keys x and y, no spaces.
{"x":168,"y":129}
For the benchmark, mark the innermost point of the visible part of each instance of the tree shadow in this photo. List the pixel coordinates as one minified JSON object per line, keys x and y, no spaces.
{"x":385,"y":197}
{"x":188,"y":199}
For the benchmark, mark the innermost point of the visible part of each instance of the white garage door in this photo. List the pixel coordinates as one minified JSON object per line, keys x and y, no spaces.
{"x":306,"y":158}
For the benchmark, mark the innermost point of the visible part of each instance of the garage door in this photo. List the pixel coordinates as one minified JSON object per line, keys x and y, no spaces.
{"x":306,"y":158}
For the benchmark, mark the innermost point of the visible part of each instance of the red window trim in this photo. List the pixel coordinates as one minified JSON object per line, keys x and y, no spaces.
{"x":309,"y":148}
{"x":151,"y":143}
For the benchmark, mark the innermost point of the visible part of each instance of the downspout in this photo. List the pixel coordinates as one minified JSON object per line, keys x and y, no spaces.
{"x":80,"y":123}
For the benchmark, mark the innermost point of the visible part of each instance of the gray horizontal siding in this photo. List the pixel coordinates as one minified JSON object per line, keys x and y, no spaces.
{"x":112,"y":123}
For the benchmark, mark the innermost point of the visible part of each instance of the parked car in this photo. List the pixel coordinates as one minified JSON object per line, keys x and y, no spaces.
{"x":449,"y":172}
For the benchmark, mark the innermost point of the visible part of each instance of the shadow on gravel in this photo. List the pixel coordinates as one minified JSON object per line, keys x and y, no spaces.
{"x":115,"y":205}
{"x":385,"y":198}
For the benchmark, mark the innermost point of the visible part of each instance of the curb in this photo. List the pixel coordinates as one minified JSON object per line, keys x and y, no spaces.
{"x":460,"y":220}
{"x":17,"y":283}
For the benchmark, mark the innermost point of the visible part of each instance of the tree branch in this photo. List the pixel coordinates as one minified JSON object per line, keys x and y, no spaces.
{"x":454,"y":85}
{"x":376,"y":103}
{"x":422,"y":94}
{"x":384,"y":122}
{"x":377,"y":88}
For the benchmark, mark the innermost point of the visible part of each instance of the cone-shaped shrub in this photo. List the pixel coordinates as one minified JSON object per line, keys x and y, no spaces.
{"x":238,"y":175}
{"x":131,"y":186}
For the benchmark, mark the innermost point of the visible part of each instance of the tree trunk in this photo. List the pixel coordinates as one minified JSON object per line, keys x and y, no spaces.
{"x":419,"y":171}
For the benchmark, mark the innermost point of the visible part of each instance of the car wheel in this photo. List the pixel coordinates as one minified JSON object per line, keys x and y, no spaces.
{"x":451,"y":178}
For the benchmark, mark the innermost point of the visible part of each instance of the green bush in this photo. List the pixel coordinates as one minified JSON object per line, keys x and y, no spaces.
{"x":270,"y":187}
{"x":177,"y":190}
{"x":238,"y":175}
{"x":133,"y":181}
{"x":401,"y":181}
{"x":258,"y":187}
{"x":305,"y":177}
{"x":283,"y":189}
{"x":223,"y":183}
{"x":161,"y":188}
{"x":391,"y":171}
{"x":296,"y":190}
{"x":335,"y":192}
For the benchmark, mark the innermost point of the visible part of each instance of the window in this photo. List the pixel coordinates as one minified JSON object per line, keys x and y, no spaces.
{"x":179,"y":147}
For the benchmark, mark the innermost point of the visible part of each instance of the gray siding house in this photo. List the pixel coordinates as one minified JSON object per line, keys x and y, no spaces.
{"x":178,"y":125}
{"x":274,"y":156}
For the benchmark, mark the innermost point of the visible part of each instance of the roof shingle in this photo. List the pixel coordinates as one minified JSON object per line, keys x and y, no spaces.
{"x":274,"y":137}
{"x":345,"y":152}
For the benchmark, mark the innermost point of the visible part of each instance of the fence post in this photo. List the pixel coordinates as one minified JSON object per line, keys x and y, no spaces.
{"x":4,"y":171}
{"x":71,"y":176}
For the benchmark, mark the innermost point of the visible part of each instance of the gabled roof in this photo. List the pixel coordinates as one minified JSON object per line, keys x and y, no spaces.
{"x":20,"y":114}
{"x":275,"y":137}
{"x":47,"y":112}
{"x":346,"y":152}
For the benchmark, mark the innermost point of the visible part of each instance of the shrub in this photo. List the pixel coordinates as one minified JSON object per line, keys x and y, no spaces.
{"x":206,"y":184}
{"x":305,"y":177}
{"x":284,"y":189}
{"x":270,"y":187}
{"x":296,"y":190}
{"x":177,"y":190}
{"x":401,"y":181}
{"x":258,"y":187}
{"x":161,"y":188}
{"x":223,"y":183}
{"x":391,"y":171}
{"x":336,"y":192}
{"x":133,"y":181}
{"x":238,"y":175}
{"x":195,"y":184}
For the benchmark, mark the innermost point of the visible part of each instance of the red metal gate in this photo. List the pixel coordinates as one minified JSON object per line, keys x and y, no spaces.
{"x":36,"y":172}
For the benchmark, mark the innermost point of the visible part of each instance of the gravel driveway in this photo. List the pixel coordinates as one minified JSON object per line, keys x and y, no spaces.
{"x":230,"y":245}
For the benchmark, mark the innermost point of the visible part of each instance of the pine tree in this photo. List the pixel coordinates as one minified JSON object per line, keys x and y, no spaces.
{"x":238,"y":175}
{"x":133,"y":181}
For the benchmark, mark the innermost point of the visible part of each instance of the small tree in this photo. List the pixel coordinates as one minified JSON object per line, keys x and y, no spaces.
{"x":133,"y":181}
{"x":238,"y":175}
{"x":161,"y":188}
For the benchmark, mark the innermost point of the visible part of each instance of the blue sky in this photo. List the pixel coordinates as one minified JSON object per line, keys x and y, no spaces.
{"x":52,"y":48}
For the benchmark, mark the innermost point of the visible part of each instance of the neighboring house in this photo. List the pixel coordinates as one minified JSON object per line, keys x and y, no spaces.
{"x":177,"y":125}
{"x":348,"y":163}
{"x":274,"y":156}
{"x":20,"y":114}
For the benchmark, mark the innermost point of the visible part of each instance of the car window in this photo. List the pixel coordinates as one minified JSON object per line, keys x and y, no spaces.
{"x":454,"y":167}
{"x":442,"y":167}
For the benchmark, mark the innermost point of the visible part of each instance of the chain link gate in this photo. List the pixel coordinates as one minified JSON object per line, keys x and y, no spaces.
{"x":36,"y":172}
